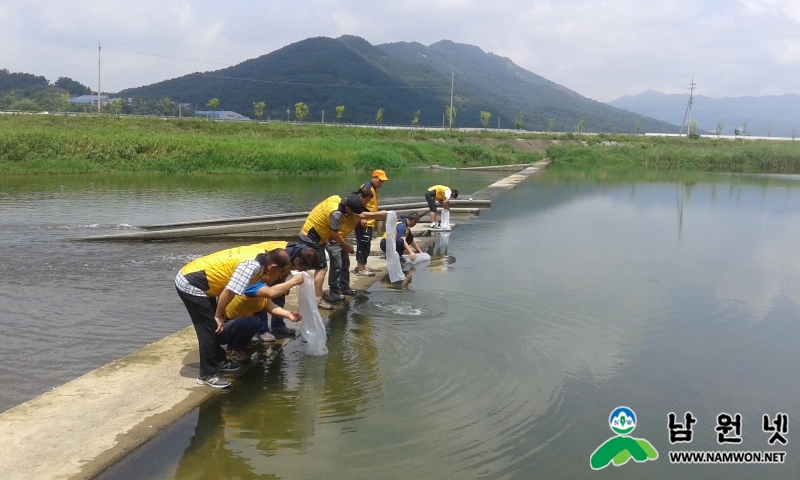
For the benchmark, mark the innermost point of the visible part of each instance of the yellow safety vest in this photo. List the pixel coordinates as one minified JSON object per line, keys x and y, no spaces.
{"x":320,"y":218}
{"x":269,"y":246}
{"x":244,"y":306}
{"x":212,"y":273}
{"x":440,"y":189}
{"x":372,"y":204}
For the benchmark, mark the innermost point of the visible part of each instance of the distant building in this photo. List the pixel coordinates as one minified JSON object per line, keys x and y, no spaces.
{"x":89,"y":100}
{"x":220,"y":115}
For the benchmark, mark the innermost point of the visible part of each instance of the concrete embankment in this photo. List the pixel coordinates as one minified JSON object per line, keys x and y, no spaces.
{"x":80,"y":428}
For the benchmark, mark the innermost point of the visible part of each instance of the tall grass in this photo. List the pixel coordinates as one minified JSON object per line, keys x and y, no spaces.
{"x":749,"y":156}
{"x":55,"y":144}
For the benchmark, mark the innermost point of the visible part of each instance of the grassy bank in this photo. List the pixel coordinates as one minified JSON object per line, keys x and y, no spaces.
{"x":670,"y":153}
{"x":58,"y":144}
{"x":42,"y":144}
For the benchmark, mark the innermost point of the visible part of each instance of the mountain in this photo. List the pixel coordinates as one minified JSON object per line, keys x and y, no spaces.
{"x":759,"y":114}
{"x":401,"y":78}
{"x":486,"y":78}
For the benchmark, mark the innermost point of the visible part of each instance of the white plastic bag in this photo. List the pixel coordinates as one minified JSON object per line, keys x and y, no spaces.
{"x":421,"y":257}
{"x":445,"y":220}
{"x":392,"y":257}
{"x":311,"y":326}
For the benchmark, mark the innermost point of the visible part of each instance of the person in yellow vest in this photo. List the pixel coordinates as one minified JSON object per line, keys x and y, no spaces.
{"x":206,"y":286}
{"x":364,"y":228}
{"x":255,"y":298}
{"x":257,"y":301}
{"x":441,"y":194}
{"x":325,"y":230}
{"x":404,"y":240}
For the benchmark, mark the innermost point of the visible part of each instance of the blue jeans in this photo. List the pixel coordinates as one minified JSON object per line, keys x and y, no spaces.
{"x":237,"y":333}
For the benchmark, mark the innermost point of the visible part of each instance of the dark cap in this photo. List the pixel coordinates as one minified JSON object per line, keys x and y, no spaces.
{"x":353,"y":202}
{"x":413,"y":216}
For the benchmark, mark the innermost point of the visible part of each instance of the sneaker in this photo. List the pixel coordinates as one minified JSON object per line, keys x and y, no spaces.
{"x":366,"y":272}
{"x":433,"y":225}
{"x":322,"y":304}
{"x":238,"y":356}
{"x":213,"y":381}
{"x":438,"y":224}
{"x":228,"y":366}
{"x":349,"y":291}
{"x":265,"y":337}
{"x":333,"y":298}
{"x":284,"y":331}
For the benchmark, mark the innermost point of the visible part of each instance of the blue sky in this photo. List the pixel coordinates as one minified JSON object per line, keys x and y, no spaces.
{"x":602,"y":49}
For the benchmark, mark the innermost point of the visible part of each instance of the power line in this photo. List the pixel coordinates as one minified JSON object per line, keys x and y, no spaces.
{"x":167,"y":56}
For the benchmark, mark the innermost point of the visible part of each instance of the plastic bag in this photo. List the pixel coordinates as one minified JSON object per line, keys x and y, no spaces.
{"x":421,"y":257}
{"x":311,"y":326}
{"x":445,"y":220}
{"x":392,"y":257}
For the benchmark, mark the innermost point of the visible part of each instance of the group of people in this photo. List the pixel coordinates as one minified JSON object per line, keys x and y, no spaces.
{"x":228,"y":294}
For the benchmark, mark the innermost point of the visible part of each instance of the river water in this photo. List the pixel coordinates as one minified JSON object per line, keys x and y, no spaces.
{"x":502,"y":358}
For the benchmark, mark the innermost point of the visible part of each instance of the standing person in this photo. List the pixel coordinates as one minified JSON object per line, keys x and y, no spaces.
{"x":206,"y":286}
{"x":404,"y":240}
{"x":442,"y":194}
{"x":365,"y":226}
{"x":303,"y":258}
{"x":324,"y":230}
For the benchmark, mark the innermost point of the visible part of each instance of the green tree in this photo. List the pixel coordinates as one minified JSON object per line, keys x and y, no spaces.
{"x":379,"y":116}
{"x":552,"y":125}
{"x":485,"y":117}
{"x":213,"y":104}
{"x":116,"y":106}
{"x":450,"y":113}
{"x":518,"y":121}
{"x":339,"y":112}
{"x":580,"y":125}
{"x":415,"y":121}
{"x":166,"y":106}
{"x":300,"y":111}
{"x":258,"y":110}
{"x":63,"y":101}
{"x":718,"y":131}
{"x":693,"y":130}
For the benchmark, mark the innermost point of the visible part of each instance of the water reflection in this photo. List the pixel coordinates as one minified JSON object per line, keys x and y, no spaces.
{"x":569,"y":298}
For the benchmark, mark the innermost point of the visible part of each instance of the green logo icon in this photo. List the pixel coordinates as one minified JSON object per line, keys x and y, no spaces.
{"x":618,"y":450}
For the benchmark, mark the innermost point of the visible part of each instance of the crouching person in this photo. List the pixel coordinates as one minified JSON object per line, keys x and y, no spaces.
{"x":404,"y":240}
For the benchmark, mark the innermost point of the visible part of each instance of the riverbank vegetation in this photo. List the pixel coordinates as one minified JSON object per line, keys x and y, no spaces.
{"x":59,"y":144}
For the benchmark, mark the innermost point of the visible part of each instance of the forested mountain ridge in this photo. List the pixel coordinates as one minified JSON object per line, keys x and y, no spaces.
{"x":401,"y":79}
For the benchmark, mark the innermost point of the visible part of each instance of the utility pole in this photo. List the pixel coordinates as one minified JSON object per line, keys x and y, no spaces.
{"x":687,"y":116}
{"x":98,"y":76}
{"x":498,"y":122}
{"x":452,"y":82}
{"x":323,"y":117}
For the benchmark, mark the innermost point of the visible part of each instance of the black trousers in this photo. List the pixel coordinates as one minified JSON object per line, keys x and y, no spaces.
{"x":201,"y":310}
{"x":363,"y":243}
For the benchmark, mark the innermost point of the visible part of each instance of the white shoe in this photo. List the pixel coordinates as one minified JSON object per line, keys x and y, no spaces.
{"x":433,"y":225}
{"x":265,"y":337}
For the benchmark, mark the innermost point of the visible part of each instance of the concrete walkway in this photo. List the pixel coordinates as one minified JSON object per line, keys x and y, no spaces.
{"x":79,"y":429}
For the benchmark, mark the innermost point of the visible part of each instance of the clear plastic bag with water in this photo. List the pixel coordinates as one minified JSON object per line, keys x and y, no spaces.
{"x":392,"y":257}
{"x":421,"y":257}
{"x":311,"y":326}
{"x":445,"y":220}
